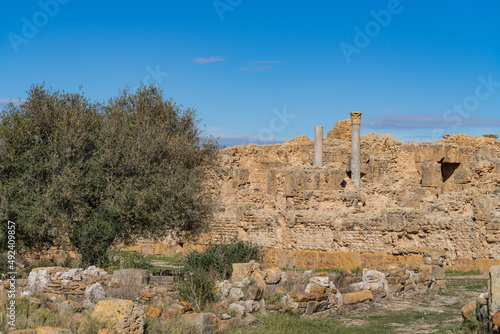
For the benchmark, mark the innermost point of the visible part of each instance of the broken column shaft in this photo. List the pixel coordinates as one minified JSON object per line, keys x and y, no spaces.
{"x":355,"y":148}
{"x":318,"y":146}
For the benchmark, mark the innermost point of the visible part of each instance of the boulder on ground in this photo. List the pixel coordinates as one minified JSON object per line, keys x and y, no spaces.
{"x":121,"y":315}
{"x":94,"y":293}
{"x":202,"y":322}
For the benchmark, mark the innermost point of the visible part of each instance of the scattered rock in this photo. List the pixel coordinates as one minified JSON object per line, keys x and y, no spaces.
{"x":469,"y":311}
{"x":201,"y":321}
{"x":236,"y":310}
{"x":357,"y":297}
{"x":121,"y":315}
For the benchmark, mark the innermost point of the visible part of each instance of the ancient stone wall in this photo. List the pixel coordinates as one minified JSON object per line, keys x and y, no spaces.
{"x":413,"y":197}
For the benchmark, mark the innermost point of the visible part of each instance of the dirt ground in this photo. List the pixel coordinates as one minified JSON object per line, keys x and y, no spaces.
{"x":437,"y":312}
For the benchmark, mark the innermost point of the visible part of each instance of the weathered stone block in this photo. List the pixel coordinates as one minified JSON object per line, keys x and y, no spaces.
{"x":438,"y":272}
{"x":357,"y":297}
{"x":269,"y":257}
{"x":285,"y":258}
{"x":306,"y":259}
{"x":244,"y":269}
{"x":463,"y":264}
{"x":311,"y":306}
{"x":494,"y":289}
{"x":202,"y":322}
{"x":425,"y":271}
{"x":373,"y":261}
{"x":328,"y":260}
{"x":255,"y":292}
{"x":130,"y":277}
{"x":121,"y":315}
{"x":414,"y":261}
{"x":469,"y":311}
{"x":431,"y":174}
{"x":434,"y":256}
{"x":240,"y":177}
{"x":394,"y":220}
{"x":350,"y":260}
{"x":463,"y":176}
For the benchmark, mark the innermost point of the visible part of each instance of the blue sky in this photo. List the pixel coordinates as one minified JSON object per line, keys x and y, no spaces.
{"x":262,"y":71}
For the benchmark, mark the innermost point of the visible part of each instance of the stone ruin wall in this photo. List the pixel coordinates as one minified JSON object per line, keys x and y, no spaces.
{"x":413,"y":196}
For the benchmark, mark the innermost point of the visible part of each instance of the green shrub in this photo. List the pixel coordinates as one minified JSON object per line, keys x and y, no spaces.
{"x":197,"y":288}
{"x":218,"y":258}
{"x":201,"y":269}
{"x":123,"y":260}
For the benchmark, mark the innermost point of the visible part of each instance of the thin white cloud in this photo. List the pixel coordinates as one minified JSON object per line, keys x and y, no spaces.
{"x":5,"y":102}
{"x":253,"y":66}
{"x":207,"y":60}
{"x":229,"y":139}
{"x":429,"y":121}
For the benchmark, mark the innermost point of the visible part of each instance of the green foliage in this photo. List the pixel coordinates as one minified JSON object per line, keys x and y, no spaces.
{"x":218,"y":258}
{"x":4,"y":263}
{"x":122,"y":260}
{"x":197,"y":288}
{"x":101,"y":172}
{"x":357,"y":271}
{"x":201,"y":269}
{"x":450,"y":272}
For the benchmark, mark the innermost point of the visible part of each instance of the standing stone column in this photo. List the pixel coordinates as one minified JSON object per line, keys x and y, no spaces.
{"x":355,"y":148}
{"x":318,"y":146}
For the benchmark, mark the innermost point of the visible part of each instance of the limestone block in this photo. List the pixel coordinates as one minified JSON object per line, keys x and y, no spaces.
{"x":434,"y":256}
{"x":254,"y":292}
{"x":268,"y":257}
{"x":306,"y":259}
{"x":285,"y":258}
{"x":202,"y":322}
{"x":38,"y":278}
{"x":236,"y":310}
{"x":493,"y":224}
{"x":425,"y":271}
{"x":240,"y":177}
{"x":494,"y":289}
{"x":121,"y":315}
{"x":130,"y":277}
{"x":483,"y":207}
{"x":356,"y":297}
{"x":431,"y":174}
{"x":438,"y":272}
{"x":463,"y":264}
{"x":244,"y":269}
{"x":272,"y":275}
{"x":236,"y":294}
{"x":394,"y":220}
{"x":414,"y":261}
{"x":372,"y":261}
{"x":463,"y":176}
{"x":94,"y":293}
{"x":350,"y":260}
{"x":328,"y":260}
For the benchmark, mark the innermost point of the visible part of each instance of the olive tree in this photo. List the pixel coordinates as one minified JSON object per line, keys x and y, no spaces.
{"x":100,"y":173}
